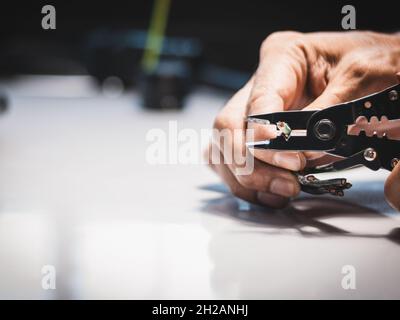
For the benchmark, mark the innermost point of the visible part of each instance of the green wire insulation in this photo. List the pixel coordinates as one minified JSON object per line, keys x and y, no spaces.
{"x":155,"y":36}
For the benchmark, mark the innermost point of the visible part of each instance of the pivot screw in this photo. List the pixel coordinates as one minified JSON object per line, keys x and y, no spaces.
{"x":394,"y":162}
{"x":367,"y":104}
{"x":325,"y":129}
{"x":393,"y":95}
{"x":370,"y":154}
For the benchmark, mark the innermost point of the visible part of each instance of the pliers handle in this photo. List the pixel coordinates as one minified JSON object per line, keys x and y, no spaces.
{"x":326,"y":130}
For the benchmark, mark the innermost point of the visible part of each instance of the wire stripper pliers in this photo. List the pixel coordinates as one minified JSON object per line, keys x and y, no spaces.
{"x":327,"y":130}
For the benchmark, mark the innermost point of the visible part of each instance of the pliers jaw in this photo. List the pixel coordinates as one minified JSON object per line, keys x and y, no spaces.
{"x":327,"y":130}
{"x":294,"y":131}
{"x":294,"y":119}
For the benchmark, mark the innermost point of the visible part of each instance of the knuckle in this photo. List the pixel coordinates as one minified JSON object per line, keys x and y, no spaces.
{"x":236,"y":190}
{"x":284,"y":35}
{"x":256,"y":101}
{"x":254,"y":181}
{"x":361,"y":63}
{"x":283,"y":38}
{"x":246,"y":181}
{"x":263,"y":96}
{"x":359,"y":69}
{"x":221,"y":121}
{"x":370,"y":68}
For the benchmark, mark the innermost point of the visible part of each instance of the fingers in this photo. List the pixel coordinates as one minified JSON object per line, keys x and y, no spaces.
{"x":278,"y":85}
{"x":292,"y":69}
{"x":244,"y":192}
{"x":293,"y":161}
{"x":392,"y":188}
{"x":270,"y":179}
{"x":360,"y":73}
{"x":344,"y":86}
{"x":226,"y":175}
{"x":327,"y":98}
{"x":380,"y":127}
{"x":322,"y":160}
{"x":342,"y":89}
{"x":260,"y":176}
{"x":263,"y":183}
{"x":280,"y":78}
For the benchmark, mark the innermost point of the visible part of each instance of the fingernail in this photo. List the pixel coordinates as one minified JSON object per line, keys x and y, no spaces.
{"x":283,"y":187}
{"x":290,"y":161}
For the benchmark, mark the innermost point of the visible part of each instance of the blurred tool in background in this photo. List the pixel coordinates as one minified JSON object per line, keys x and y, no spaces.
{"x":115,"y":55}
{"x":165,"y":81}
{"x":3,"y":102}
{"x":118,"y":53}
{"x":162,"y":48}
{"x":164,"y":69}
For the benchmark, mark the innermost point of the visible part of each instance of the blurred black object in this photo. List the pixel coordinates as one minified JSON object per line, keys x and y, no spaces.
{"x":167,"y":86}
{"x":228,"y":34}
{"x":3,"y":103}
{"x":118,"y":54}
{"x":230,"y":31}
{"x":114,"y":53}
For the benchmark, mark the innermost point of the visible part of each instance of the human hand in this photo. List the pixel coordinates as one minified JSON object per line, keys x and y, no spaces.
{"x":303,"y":71}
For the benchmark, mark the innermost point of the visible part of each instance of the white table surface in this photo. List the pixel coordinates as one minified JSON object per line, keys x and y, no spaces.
{"x":77,"y":193}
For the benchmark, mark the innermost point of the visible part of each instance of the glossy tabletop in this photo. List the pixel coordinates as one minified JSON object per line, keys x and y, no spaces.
{"x":78,"y":193}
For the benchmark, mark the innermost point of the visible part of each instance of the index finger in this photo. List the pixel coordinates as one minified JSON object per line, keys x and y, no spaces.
{"x":281,"y":76}
{"x":278,"y":85}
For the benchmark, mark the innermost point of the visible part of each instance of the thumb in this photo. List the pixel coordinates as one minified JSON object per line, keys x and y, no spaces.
{"x":392,"y":188}
{"x":330,"y":96}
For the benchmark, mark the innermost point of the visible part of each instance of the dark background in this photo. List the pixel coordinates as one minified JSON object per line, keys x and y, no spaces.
{"x":230,"y":31}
